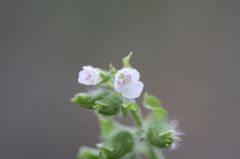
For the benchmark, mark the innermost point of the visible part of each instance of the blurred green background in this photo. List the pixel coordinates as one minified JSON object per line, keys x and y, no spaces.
{"x":188,"y":53}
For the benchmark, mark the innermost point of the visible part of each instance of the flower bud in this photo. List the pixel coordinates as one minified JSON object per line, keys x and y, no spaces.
{"x":109,"y":105}
{"x":89,"y":76}
{"x":119,"y":145}
{"x":161,"y":135}
{"x":87,"y":100}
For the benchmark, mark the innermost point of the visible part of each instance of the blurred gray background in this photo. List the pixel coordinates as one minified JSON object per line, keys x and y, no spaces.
{"x":188,"y":54}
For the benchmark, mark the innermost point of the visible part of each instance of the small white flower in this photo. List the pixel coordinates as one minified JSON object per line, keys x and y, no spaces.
{"x":89,"y":76}
{"x":127,"y":82}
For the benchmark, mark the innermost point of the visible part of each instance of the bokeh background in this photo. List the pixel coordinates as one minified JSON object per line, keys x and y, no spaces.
{"x":188,"y":53}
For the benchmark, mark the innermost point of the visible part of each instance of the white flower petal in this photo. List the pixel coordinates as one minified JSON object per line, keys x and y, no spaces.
{"x":133,"y":90}
{"x":89,"y":76}
{"x":82,"y":78}
{"x":97,"y":77}
{"x":135,"y":75}
{"x":129,"y":72}
{"x":127,"y":82}
{"x":117,"y":86}
{"x":88,"y":68}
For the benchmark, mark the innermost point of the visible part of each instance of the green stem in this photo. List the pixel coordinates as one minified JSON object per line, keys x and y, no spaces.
{"x":137,"y":118}
{"x":138,"y":121}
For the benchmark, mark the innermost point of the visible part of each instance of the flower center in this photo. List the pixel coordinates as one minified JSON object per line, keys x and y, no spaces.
{"x":124,"y":79}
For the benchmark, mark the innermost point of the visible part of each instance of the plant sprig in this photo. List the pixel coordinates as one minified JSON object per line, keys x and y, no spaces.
{"x":115,"y":92}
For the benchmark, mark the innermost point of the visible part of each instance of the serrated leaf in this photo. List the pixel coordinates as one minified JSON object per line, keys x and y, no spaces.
{"x":126,"y":60}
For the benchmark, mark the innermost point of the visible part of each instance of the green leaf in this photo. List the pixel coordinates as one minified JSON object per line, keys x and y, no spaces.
{"x":126,"y":60}
{"x":153,"y":103}
{"x":88,"y":153}
{"x":160,"y":113}
{"x":122,"y":143}
{"x":150,"y":101}
{"x":87,"y":100}
{"x":109,"y":105}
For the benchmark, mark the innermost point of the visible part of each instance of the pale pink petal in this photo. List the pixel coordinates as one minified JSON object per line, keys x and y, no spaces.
{"x":133,"y":90}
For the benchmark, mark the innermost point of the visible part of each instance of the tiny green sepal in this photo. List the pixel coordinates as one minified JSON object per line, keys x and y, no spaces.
{"x":112,"y":69}
{"x":126,"y":60}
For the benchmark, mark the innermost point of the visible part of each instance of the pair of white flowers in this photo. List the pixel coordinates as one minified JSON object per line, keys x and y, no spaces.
{"x":126,"y":80}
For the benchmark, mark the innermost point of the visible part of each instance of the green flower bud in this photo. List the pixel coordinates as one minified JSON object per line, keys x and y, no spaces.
{"x":118,"y":146}
{"x":87,"y":100}
{"x":88,"y":153}
{"x":160,"y":135}
{"x":109,"y":105}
